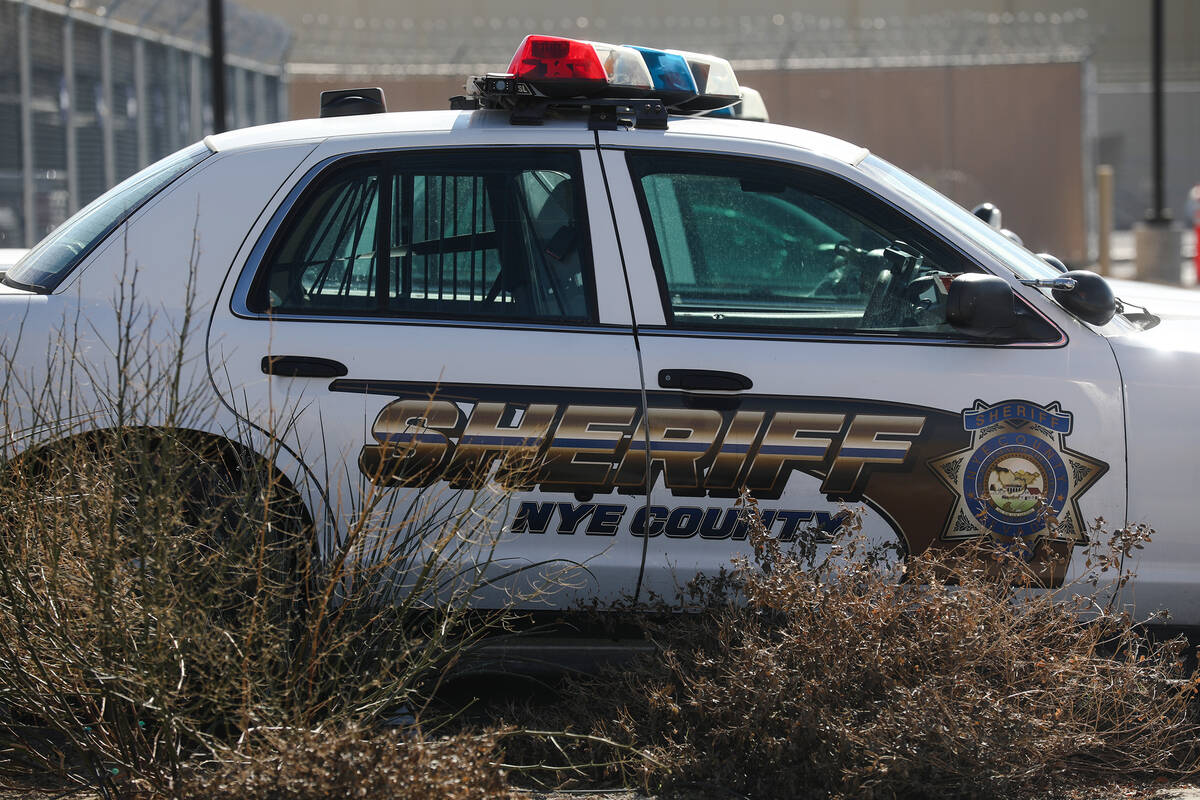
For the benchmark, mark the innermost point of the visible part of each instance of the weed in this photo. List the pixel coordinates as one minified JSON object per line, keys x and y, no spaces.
{"x":349,"y":761}
{"x":829,"y":671}
{"x":163,"y":591}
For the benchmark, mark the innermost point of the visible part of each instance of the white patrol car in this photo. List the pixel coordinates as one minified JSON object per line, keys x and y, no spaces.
{"x":662,"y":309}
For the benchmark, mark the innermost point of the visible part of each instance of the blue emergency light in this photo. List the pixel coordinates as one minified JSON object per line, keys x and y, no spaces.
{"x":672,"y":77}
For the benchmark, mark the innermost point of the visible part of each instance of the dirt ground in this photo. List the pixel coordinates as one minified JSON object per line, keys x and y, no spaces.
{"x":1146,"y":791}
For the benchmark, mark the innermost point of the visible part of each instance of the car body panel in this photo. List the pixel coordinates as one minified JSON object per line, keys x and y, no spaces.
{"x":912,"y":429}
{"x":1166,"y":302}
{"x":1160,"y":370}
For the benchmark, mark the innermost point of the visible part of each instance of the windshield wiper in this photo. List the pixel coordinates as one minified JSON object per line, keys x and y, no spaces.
{"x":1143,"y":319}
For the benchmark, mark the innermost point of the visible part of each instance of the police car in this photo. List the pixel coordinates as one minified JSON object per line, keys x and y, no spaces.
{"x":654,"y":308}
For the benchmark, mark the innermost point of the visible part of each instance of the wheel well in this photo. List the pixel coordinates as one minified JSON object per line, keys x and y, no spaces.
{"x":234,"y":457}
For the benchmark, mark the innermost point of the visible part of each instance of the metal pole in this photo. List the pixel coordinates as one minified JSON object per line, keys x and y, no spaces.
{"x":239,"y":118}
{"x":1104,"y":190}
{"x":139,"y":92}
{"x":72,"y":101}
{"x":216,"y":61}
{"x":25,"y":58}
{"x":259,"y":116}
{"x":1158,"y":213}
{"x":196,"y":105}
{"x":107,"y":120}
{"x":174,"y":89}
{"x":1159,"y":243}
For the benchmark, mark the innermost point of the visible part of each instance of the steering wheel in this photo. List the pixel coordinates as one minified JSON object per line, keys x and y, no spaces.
{"x":885,"y":306}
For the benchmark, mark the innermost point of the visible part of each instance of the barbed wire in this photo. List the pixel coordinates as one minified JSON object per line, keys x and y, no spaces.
{"x":250,"y":34}
{"x":770,"y":40}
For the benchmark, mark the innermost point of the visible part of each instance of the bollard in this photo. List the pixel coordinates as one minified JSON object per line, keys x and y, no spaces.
{"x":1104,"y":196}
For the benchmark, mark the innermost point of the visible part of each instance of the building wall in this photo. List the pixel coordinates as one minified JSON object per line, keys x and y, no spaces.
{"x":88,"y":99}
{"x":1121,"y":27}
{"x":1009,"y":134}
{"x":1116,"y":35}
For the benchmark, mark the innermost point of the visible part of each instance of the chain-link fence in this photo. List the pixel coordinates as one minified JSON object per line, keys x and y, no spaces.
{"x":92,"y":91}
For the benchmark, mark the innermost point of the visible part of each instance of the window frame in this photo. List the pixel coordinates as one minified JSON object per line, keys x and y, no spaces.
{"x":653,"y":158}
{"x":249,"y":293}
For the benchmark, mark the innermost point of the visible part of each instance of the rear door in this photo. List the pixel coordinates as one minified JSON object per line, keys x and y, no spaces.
{"x":794,"y":344}
{"x":492,"y":340}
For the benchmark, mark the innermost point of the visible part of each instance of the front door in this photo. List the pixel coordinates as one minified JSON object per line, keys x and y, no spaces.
{"x":794,"y":341}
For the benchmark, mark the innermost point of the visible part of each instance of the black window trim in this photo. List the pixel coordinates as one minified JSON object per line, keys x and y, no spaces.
{"x":253,"y":274}
{"x":670,"y":328}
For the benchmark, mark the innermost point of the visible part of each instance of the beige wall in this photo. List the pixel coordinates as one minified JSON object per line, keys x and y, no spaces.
{"x":1008,"y":134}
{"x":1012,"y":135}
{"x":1122,"y":27}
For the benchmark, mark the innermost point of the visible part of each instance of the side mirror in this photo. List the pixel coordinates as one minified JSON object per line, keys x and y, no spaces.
{"x":1091,"y":300}
{"x":980,"y":305}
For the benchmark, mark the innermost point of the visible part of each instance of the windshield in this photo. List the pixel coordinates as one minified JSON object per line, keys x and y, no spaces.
{"x":1007,"y":252}
{"x":46,"y":266}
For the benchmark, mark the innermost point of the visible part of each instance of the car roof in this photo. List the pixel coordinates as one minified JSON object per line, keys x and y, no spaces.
{"x":434,"y":121}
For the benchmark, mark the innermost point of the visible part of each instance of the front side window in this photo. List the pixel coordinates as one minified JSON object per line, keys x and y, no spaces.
{"x":761,"y":246}
{"x":462,"y":235}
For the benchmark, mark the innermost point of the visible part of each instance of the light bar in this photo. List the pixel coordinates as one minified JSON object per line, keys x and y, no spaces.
{"x":552,"y":71}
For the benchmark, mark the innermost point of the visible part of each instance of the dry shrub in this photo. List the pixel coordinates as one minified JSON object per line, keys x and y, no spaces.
{"x":833,"y":676}
{"x":351,"y":761}
{"x":149,"y":616}
{"x":163,"y":591}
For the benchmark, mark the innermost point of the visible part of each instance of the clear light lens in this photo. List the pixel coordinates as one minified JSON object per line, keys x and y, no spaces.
{"x":753,"y":106}
{"x":750,"y":107}
{"x":623,"y":65}
{"x":714,"y":78}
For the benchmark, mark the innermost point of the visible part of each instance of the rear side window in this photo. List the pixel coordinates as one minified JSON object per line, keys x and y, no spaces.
{"x":466,"y":234}
{"x":49,"y":263}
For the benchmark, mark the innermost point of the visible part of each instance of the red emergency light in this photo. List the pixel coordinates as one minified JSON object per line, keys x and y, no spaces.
{"x":559,"y":67}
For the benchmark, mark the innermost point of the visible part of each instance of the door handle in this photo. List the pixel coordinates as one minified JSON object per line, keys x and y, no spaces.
{"x":303,"y":367}
{"x":703,"y":379}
